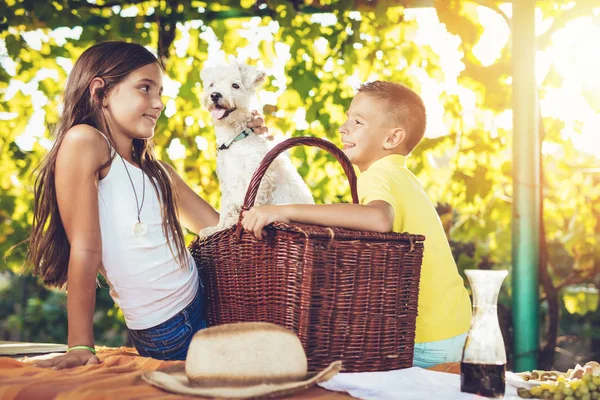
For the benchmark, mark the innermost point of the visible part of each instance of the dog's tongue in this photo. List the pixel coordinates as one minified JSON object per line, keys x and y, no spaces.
{"x":217,"y":113}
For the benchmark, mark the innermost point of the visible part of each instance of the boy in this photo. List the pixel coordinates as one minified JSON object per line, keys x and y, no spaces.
{"x":385,"y":123}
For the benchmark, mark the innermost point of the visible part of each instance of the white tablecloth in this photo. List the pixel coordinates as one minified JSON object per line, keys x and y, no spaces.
{"x":405,"y":384}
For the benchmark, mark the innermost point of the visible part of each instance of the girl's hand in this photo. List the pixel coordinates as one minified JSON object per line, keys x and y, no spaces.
{"x":255,"y":219}
{"x":257,"y":125}
{"x":74,"y":358}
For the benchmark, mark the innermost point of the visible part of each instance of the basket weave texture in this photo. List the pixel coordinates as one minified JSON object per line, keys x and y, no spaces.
{"x":349,"y":295}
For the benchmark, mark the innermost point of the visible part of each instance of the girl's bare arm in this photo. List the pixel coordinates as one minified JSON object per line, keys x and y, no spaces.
{"x":81,"y":154}
{"x":194,"y":212}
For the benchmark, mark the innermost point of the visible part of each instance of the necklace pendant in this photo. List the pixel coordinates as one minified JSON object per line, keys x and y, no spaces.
{"x":140,"y":228}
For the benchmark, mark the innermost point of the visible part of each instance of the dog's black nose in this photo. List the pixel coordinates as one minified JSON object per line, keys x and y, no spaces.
{"x":215,"y":96}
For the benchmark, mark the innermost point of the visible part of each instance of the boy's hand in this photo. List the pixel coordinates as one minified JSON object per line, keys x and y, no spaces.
{"x":257,"y":125}
{"x":255,"y":219}
{"x":74,"y":358}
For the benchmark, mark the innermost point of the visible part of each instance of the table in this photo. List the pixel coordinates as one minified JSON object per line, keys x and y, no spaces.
{"x":118,"y":377}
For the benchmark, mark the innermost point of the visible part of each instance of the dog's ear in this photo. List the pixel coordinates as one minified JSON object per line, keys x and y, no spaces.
{"x":251,"y":76}
{"x":206,"y":74}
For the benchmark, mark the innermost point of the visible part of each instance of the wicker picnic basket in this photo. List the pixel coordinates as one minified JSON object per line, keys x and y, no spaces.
{"x":348,"y":295}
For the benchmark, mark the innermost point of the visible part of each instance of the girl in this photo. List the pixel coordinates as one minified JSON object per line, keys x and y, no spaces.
{"x":105,"y":204}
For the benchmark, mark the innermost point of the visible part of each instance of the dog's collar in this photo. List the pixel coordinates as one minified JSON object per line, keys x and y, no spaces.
{"x":245,"y":133}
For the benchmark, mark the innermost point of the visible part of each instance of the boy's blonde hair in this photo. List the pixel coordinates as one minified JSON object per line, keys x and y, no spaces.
{"x":403,"y":105}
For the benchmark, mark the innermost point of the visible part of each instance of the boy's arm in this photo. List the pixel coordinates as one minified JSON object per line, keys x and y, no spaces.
{"x":376,"y":216}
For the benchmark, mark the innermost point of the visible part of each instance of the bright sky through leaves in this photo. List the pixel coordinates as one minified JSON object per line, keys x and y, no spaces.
{"x":573,"y":51}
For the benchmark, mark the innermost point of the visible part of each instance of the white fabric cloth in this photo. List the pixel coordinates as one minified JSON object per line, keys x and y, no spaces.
{"x":406,"y":384}
{"x":145,"y":280}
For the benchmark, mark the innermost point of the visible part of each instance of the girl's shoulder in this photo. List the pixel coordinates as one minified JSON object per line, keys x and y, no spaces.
{"x":84,"y":134}
{"x":85,"y":143}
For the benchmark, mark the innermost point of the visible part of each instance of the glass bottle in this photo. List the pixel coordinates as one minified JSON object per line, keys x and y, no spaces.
{"x":483,"y":364}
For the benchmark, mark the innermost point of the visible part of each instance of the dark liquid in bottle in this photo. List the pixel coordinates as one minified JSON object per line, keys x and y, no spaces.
{"x":483,"y":379}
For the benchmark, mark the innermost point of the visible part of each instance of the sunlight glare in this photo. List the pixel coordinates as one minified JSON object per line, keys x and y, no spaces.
{"x":494,"y":38}
{"x":575,"y":52}
{"x":576,"y":59}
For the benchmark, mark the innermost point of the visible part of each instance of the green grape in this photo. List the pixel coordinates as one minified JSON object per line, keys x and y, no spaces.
{"x":561,"y":386}
{"x":568,"y":391}
{"x":558,"y":396}
{"x":536,"y":391}
{"x":586,"y":377}
{"x":596,"y":380}
{"x":547,"y":395}
{"x":592,"y":386}
{"x":523,"y":393}
{"x":584,"y":389}
{"x":595,"y":395}
{"x":570,"y":398}
{"x":586,"y":396}
{"x":579,"y":393}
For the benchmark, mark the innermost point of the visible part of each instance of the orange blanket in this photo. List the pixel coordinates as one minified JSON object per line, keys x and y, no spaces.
{"x":118,"y":377}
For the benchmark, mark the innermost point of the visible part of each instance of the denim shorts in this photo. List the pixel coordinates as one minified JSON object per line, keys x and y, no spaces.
{"x":428,"y":354}
{"x":170,"y":340}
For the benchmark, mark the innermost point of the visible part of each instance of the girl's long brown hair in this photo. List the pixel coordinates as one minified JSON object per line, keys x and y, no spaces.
{"x":49,"y":248}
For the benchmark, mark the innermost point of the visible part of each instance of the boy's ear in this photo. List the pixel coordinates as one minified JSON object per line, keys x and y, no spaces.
{"x":97,"y":90}
{"x":251,"y":76}
{"x":394,"y":138}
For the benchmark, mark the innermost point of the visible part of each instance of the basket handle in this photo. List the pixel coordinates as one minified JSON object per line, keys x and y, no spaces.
{"x":293,"y":142}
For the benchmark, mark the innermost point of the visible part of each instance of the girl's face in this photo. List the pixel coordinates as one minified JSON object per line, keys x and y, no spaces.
{"x":134,"y":104}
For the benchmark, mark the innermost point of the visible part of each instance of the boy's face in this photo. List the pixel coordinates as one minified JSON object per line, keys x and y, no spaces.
{"x":365,"y":131}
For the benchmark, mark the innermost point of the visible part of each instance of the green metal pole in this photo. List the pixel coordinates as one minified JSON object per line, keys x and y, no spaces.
{"x":526,"y":185}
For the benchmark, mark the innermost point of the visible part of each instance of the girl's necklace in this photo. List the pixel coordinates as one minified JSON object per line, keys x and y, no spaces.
{"x":139,"y":228}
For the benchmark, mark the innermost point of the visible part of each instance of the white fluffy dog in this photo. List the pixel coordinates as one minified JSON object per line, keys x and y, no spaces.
{"x":227,"y":91}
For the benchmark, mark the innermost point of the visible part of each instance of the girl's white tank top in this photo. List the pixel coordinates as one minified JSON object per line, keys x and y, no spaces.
{"x":145,"y":279}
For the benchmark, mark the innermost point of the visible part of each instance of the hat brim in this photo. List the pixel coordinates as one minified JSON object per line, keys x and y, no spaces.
{"x":177,"y":382}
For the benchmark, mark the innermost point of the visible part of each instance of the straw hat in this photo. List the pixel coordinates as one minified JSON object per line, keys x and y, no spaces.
{"x":246,"y":360}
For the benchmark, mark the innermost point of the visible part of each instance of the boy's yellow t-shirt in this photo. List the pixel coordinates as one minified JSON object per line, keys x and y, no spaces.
{"x":444,"y":309}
